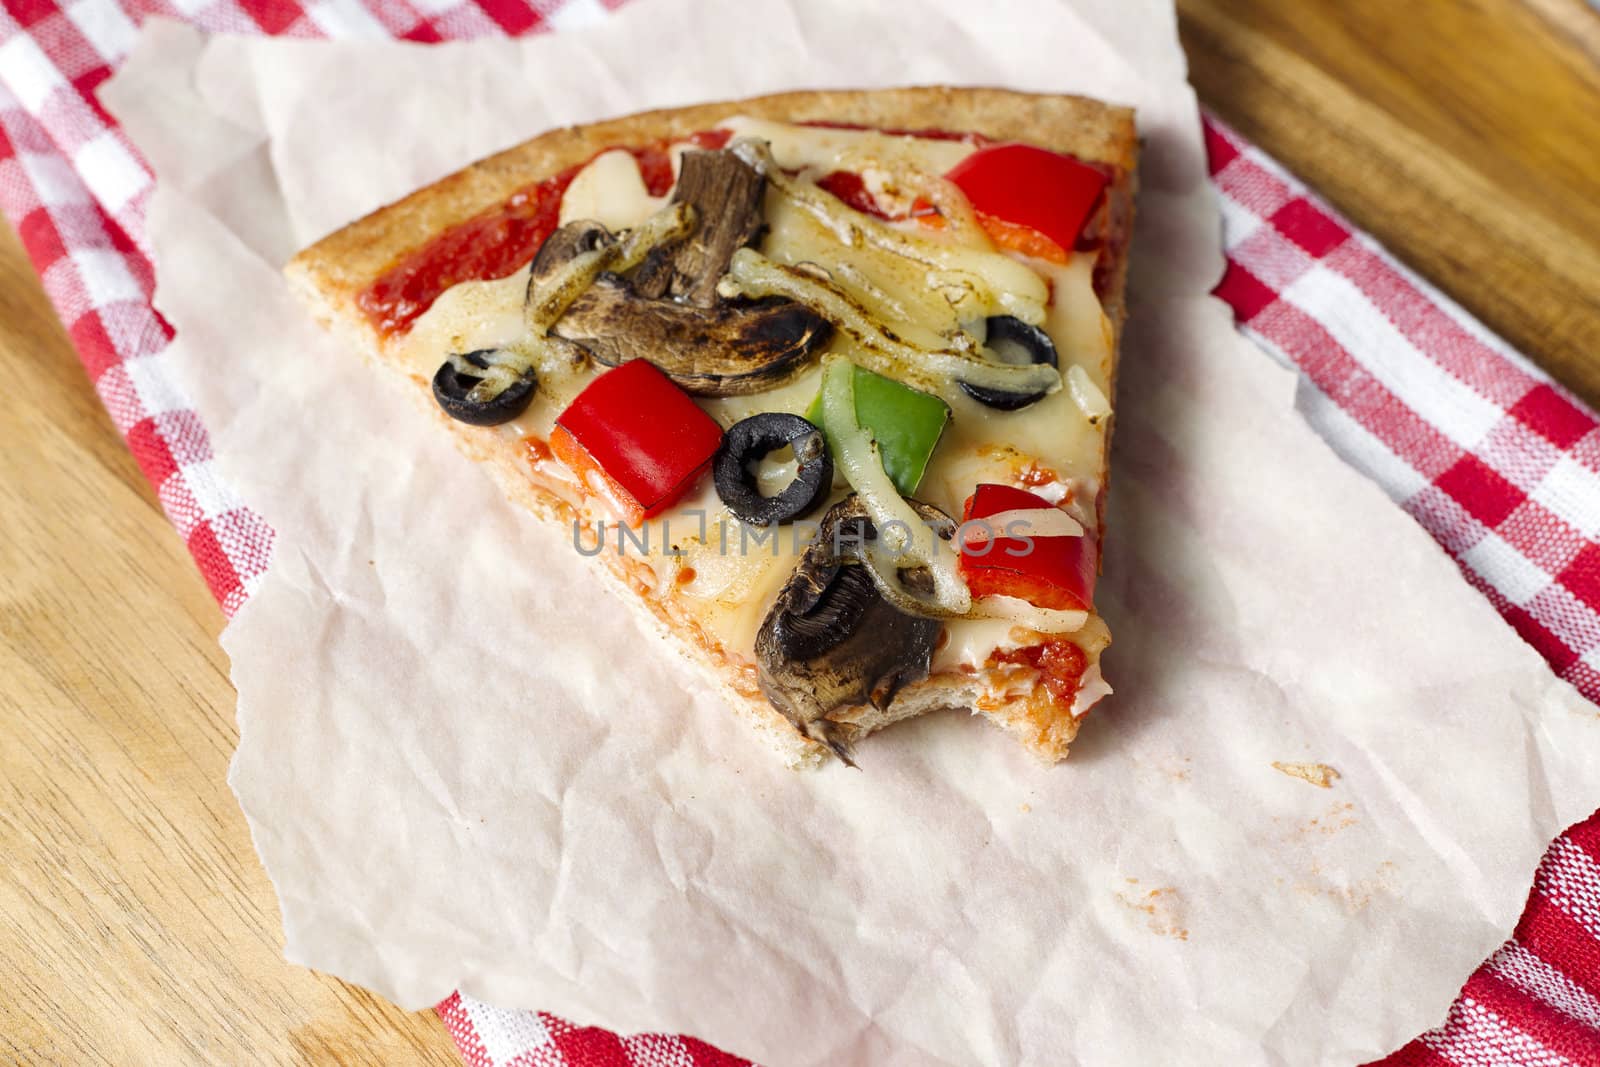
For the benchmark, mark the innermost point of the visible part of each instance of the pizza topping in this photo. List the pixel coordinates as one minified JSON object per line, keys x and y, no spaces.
{"x":1019,"y":612}
{"x":754,"y":275}
{"x":1051,"y":193}
{"x":725,"y":193}
{"x":669,"y":313}
{"x":496,"y":242}
{"x":980,"y":282}
{"x":852,"y":189}
{"x":484,"y":388}
{"x":1061,"y":665}
{"x":492,"y":244}
{"x":905,"y":424}
{"x":831,"y":641}
{"x":908,"y":535}
{"x":751,"y":440}
{"x":636,"y":438}
{"x":1087,"y":395}
{"x":493,"y":386}
{"x":610,"y":190}
{"x":728,"y":350}
{"x":575,"y":255}
{"x":829,"y":146}
{"x":1007,"y":553}
{"x":1016,"y":342}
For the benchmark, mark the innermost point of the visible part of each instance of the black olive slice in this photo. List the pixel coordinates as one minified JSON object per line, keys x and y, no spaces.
{"x":455,"y":387}
{"x":750,"y":440}
{"x":1015,"y":342}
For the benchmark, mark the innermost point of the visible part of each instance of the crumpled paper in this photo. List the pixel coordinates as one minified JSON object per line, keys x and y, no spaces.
{"x":465,"y":767}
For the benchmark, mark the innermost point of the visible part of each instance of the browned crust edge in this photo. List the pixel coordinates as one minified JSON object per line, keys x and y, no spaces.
{"x":330,"y":275}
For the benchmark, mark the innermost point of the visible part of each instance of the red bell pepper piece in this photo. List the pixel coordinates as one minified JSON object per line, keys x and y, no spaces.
{"x":1016,"y":185}
{"x":640,"y":436}
{"x":1050,"y":572}
{"x":848,"y":186}
{"x":851,"y":188}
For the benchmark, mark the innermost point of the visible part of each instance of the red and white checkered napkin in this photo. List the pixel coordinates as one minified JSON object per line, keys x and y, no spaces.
{"x":1499,"y":464}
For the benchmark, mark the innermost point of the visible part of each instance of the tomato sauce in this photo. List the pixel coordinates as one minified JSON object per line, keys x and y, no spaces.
{"x":535,"y":451}
{"x":1061,"y":665}
{"x":497,"y":242}
{"x":848,"y":187}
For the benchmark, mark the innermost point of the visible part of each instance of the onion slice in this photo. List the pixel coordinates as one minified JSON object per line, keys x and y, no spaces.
{"x":904,"y":538}
{"x":1031,"y":616}
{"x":754,"y":275}
{"x":548,"y":301}
{"x":1031,"y":522}
{"x":1090,"y":400}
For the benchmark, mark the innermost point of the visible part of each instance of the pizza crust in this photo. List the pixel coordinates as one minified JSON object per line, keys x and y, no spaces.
{"x":330,"y":275}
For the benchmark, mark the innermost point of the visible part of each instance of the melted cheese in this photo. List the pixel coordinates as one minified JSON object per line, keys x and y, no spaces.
{"x":895,"y":289}
{"x":970,"y":642}
{"x":610,"y":191}
{"x":730,"y":577}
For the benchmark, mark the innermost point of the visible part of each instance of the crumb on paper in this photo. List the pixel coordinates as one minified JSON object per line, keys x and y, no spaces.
{"x":1024,"y":808}
{"x":1318,"y":774}
{"x":1330,"y":822}
{"x":1162,"y":908}
{"x":1353,"y":894}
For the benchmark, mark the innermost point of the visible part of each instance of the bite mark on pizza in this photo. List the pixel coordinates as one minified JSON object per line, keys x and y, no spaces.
{"x":826,"y":390}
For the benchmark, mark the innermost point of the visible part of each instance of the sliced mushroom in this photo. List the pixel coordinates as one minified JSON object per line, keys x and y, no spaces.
{"x":726,"y":193}
{"x":831,"y":641}
{"x":669,"y":312}
{"x":573,"y":239}
{"x":729,"y":350}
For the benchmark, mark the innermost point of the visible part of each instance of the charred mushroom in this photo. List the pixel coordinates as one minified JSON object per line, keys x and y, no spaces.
{"x":726,"y":193}
{"x":729,"y":350}
{"x":831,"y":641}
{"x":669,"y":312}
{"x":573,"y":239}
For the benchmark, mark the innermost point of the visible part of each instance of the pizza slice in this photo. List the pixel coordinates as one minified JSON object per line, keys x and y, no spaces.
{"x":821,"y":378}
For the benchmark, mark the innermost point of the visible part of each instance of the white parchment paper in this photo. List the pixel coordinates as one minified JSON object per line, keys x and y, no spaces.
{"x":464,"y":767}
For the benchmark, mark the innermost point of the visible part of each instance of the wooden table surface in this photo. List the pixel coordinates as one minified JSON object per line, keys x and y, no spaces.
{"x":136,"y":925}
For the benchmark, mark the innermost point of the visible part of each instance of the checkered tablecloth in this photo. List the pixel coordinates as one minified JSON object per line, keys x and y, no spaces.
{"x":1497,"y":462}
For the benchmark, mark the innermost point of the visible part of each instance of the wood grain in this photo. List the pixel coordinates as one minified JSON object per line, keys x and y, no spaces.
{"x":136,"y":925}
{"x":1463,"y":134}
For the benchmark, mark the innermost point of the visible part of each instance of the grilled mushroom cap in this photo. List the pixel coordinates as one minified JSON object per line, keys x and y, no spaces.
{"x":573,"y":239}
{"x":831,"y":640}
{"x":669,"y":312}
{"x":726,"y":193}
{"x":728,"y":350}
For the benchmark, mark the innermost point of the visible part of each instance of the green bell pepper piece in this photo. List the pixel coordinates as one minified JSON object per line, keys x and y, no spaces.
{"x":905,"y":423}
